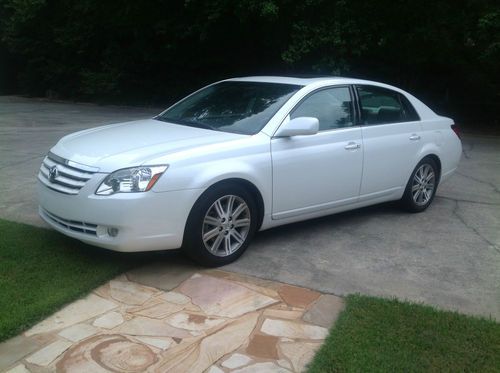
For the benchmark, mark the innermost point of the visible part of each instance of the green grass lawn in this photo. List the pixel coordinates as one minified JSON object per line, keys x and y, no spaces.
{"x":379,"y":335}
{"x":41,"y":270}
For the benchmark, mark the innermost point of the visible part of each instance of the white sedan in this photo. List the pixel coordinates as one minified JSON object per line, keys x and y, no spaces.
{"x":243,"y":155}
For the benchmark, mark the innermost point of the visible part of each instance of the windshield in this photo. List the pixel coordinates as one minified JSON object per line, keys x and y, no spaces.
{"x":237,"y":107}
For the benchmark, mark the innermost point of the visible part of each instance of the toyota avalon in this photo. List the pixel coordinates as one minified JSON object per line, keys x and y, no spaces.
{"x":244,"y":155}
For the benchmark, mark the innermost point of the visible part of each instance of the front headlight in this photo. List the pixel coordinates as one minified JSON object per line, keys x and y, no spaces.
{"x":131,"y":180}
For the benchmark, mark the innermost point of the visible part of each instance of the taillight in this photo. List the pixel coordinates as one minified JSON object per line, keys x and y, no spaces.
{"x":455,"y":129}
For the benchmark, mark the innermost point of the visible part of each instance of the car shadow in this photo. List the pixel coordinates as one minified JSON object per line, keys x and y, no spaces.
{"x":335,"y":221}
{"x":176,"y":258}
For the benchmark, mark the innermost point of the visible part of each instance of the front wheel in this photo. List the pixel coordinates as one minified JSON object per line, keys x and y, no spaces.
{"x":421,"y":187}
{"x":220,"y":225}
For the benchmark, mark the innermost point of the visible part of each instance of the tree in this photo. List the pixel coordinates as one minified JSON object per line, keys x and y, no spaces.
{"x":142,"y":52}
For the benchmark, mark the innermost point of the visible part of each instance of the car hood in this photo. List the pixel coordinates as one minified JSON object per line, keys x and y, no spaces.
{"x":134,"y":143}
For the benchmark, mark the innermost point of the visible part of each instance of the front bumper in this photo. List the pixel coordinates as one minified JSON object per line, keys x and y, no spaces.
{"x":145,"y":221}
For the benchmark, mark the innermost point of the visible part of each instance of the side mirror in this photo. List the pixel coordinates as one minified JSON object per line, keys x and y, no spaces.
{"x":301,"y":126}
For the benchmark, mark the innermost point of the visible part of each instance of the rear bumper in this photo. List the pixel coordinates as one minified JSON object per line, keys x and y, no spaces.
{"x":145,"y":221}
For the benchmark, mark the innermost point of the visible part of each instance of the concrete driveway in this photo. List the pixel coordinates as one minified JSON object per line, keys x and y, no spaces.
{"x":448,"y":256}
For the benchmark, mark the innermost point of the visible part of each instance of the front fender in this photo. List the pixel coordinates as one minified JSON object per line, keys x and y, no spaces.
{"x":251,"y":164}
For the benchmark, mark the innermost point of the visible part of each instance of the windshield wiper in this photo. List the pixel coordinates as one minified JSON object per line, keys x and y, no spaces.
{"x":201,"y":125}
{"x":187,"y":123}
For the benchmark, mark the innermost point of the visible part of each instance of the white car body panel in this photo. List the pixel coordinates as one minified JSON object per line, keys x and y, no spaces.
{"x":389,"y":157}
{"x":134,"y":143}
{"x":318,"y":169}
{"x":297,"y":178}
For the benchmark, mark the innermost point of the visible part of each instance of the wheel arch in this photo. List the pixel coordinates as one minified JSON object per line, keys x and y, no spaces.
{"x":407,"y":201}
{"x":433,"y":151}
{"x":248,"y":186}
{"x":436,"y":159}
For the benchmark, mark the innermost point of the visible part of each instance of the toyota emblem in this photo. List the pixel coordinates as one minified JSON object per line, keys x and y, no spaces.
{"x":53,"y":173}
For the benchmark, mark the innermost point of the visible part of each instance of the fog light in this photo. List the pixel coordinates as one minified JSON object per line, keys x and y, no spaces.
{"x":112,"y":232}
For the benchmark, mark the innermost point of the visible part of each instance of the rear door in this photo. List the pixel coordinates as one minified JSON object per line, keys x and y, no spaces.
{"x":391,"y":132}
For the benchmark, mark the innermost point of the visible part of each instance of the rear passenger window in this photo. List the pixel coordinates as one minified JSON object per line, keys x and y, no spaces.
{"x":332,"y":107}
{"x":380,"y":106}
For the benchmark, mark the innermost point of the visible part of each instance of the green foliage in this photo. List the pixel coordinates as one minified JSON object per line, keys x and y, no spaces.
{"x":379,"y":335}
{"x":486,"y":42}
{"x":447,"y":51}
{"x":41,"y":270}
{"x":103,"y":82}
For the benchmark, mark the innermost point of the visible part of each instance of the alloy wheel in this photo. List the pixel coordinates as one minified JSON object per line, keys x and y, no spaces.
{"x":423,"y":185}
{"x":226,"y":225}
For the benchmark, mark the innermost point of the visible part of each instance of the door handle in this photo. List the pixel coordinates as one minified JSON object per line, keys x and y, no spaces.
{"x":414,"y":137}
{"x":352,"y":146}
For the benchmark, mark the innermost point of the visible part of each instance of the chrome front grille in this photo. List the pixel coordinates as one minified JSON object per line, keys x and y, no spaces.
{"x":72,"y":225}
{"x":63,"y":175}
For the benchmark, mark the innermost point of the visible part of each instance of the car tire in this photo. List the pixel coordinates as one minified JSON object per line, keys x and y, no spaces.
{"x":220,"y":225}
{"x":421,"y":187}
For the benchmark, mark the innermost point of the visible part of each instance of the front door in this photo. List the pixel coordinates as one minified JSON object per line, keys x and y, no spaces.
{"x":321,"y":171}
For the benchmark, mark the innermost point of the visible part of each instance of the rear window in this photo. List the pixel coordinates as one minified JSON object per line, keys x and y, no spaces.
{"x":381,"y":106}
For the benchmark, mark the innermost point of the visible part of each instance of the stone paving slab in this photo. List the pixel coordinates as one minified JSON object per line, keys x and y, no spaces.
{"x":15,"y":349}
{"x":210,"y":321}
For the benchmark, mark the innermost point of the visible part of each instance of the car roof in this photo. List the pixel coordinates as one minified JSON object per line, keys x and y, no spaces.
{"x":302,"y":80}
{"x":321,"y":81}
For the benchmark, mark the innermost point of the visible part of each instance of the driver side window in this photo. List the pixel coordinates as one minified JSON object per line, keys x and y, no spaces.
{"x":332,"y":107}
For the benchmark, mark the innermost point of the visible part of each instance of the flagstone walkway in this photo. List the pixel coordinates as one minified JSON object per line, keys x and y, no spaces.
{"x":213,"y":321}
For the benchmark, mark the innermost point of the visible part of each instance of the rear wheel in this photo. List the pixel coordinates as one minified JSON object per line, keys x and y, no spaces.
{"x":220,"y":225}
{"x":421,"y":188}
